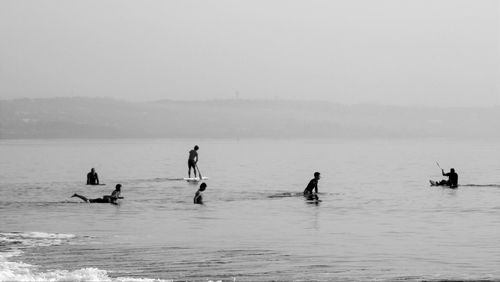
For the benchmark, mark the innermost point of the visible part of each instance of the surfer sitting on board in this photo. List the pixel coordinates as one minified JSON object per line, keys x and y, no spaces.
{"x":198,"y":197}
{"x":452,"y":181}
{"x":313,"y":184}
{"x":92,"y":178}
{"x":193,"y":159}
{"x":115,"y":195}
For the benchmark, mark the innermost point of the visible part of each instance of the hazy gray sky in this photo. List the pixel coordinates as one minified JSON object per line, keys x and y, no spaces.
{"x":423,"y":52}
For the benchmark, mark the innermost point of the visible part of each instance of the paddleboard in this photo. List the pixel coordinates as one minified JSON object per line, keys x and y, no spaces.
{"x":435,"y":183}
{"x":194,"y":179}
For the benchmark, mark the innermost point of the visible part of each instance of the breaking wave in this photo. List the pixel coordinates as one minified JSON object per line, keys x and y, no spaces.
{"x":12,"y":245}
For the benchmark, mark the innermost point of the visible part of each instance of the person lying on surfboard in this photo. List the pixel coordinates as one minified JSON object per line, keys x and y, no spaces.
{"x":452,"y":181}
{"x":92,"y":178}
{"x":198,"y":197}
{"x":193,"y":160}
{"x":115,"y":195}
{"x":313,"y":185}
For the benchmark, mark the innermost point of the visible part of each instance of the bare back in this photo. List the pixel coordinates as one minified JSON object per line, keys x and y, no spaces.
{"x":193,"y":155}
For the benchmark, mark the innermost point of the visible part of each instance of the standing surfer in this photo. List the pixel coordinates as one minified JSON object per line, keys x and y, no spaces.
{"x":193,"y":160}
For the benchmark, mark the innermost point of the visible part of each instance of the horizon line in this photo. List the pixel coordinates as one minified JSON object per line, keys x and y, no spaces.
{"x":491,"y":106}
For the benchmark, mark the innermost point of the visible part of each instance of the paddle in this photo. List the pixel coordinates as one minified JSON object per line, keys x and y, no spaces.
{"x":442,"y":170}
{"x":439,"y":165}
{"x":199,"y":173}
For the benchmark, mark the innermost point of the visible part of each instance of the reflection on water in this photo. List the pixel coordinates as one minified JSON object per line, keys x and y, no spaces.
{"x":376,"y":218}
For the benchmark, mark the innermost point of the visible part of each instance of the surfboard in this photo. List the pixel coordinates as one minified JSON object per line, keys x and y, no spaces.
{"x":313,"y":201}
{"x":286,"y":195}
{"x":312,"y":198}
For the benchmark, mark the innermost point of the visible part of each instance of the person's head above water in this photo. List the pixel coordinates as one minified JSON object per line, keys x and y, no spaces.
{"x":452,"y":169}
{"x":118,"y":187}
{"x":196,"y":147}
{"x":203,"y":186}
{"x":92,"y":170}
{"x":316,"y":175}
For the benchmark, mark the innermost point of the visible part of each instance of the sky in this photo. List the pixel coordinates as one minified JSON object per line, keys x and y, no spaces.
{"x":396,"y":52}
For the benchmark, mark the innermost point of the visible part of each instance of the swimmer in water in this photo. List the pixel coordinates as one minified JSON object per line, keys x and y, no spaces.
{"x":111,"y":199}
{"x":92,"y":177}
{"x":198,"y":197}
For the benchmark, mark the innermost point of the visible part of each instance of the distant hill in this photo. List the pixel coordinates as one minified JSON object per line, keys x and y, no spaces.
{"x":108,"y":118}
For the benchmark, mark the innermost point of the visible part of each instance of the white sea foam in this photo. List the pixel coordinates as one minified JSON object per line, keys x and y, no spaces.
{"x":19,"y":271}
{"x":33,"y":239}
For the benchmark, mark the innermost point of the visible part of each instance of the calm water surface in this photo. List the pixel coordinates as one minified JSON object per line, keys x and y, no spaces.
{"x":378,"y":218}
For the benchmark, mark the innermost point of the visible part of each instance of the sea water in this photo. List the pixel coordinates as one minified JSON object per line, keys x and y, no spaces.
{"x":378,"y":219}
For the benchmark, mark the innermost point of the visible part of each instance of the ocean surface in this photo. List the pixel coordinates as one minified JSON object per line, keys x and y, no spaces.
{"x":378,"y":219}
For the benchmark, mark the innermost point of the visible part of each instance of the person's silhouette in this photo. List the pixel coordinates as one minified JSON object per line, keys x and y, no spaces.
{"x":193,"y":160}
{"x":198,"y":197}
{"x":452,"y":181}
{"x":92,"y":177}
{"x":115,"y":195}
{"x":312,"y":185}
